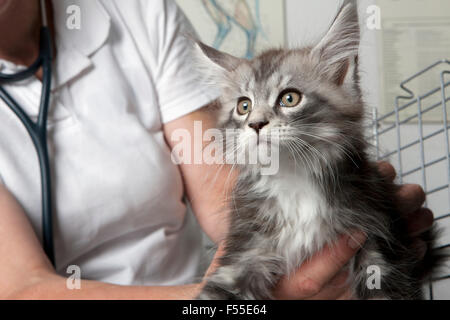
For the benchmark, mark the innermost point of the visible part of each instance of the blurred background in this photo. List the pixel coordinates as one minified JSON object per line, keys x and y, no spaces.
{"x":404,"y":43}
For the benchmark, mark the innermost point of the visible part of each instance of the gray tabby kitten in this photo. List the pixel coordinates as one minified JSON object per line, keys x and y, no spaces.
{"x":326,"y":184}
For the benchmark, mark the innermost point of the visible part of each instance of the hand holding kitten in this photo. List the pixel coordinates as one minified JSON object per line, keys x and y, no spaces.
{"x":324,"y":276}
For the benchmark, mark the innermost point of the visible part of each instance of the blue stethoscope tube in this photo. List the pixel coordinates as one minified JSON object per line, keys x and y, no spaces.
{"x":38,"y":130}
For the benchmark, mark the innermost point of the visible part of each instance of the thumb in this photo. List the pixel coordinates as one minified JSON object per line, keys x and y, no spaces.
{"x":315,"y":273}
{"x":215,"y":261}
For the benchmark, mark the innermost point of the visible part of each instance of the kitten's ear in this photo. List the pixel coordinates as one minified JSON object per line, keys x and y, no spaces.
{"x":338,"y":49}
{"x":214,"y":63}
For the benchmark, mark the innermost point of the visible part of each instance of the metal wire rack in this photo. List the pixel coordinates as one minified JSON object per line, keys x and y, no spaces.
{"x":420,"y":149}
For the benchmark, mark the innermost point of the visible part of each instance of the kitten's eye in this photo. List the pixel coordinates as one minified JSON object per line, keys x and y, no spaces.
{"x":290,"y":99}
{"x":244,"y":106}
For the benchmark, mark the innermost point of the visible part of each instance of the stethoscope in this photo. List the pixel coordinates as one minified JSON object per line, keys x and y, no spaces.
{"x":38,"y":130}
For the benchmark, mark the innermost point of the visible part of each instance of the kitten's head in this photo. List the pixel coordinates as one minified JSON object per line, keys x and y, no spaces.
{"x":311,"y":96}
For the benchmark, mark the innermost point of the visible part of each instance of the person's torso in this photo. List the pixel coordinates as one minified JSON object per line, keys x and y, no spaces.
{"x":119,"y":213}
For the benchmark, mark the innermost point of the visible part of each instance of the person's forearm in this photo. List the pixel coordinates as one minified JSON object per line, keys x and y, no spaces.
{"x":53,"y":287}
{"x":208,"y":186}
{"x":21,"y":256}
{"x":26,"y":273}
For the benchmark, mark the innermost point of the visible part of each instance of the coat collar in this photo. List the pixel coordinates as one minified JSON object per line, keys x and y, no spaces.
{"x":76,"y":46}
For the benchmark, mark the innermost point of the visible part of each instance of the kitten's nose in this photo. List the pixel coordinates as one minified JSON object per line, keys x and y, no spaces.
{"x":258,"y":125}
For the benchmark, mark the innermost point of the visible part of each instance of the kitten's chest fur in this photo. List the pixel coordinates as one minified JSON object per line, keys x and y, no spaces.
{"x":297,"y":209}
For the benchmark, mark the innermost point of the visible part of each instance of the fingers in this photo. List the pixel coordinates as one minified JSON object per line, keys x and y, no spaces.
{"x":420,"y":221}
{"x":420,"y":248}
{"x":348,"y":295}
{"x":315,"y":274}
{"x":387,"y":170}
{"x":410,"y":198}
{"x":337,"y":288}
{"x":215,"y":261}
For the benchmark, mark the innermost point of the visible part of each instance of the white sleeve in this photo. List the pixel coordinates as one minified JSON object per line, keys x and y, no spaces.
{"x":177,"y":80}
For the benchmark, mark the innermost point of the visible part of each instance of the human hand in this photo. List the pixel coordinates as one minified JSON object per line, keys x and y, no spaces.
{"x":411,"y":198}
{"x":324,"y":276}
{"x":321,"y":277}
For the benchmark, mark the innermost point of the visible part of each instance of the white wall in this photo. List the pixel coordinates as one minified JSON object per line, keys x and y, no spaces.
{"x":307,"y":21}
